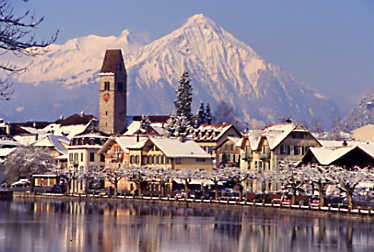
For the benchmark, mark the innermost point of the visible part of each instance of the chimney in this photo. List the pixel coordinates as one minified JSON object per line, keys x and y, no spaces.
{"x":8,"y":129}
{"x":34,"y":124}
{"x":61,"y":117}
{"x":82,"y":114}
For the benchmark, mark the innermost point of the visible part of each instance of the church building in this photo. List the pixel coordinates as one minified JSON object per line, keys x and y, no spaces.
{"x":112,"y":93}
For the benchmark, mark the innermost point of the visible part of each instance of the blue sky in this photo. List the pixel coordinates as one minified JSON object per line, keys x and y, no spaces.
{"x":327,"y":44}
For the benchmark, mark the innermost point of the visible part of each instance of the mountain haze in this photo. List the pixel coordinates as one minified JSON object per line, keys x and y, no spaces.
{"x":221,"y":68}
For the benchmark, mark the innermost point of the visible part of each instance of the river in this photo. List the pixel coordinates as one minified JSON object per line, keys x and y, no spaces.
{"x":57,"y":225}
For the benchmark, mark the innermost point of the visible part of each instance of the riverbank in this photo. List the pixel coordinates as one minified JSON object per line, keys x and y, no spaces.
{"x":362,"y":214}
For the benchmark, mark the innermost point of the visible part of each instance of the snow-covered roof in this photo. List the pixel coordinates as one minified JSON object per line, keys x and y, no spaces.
{"x":68,"y":130}
{"x":276,"y":133}
{"x":174,"y":148}
{"x":55,"y":142}
{"x":6,"y":151}
{"x":125,"y":142}
{"x":328,"y":154}
{"x":135,"y":127}
{"x":25,"y":139}
{"x":210,"y":132}
{"x":8,"y":142}
{"x":254,"y":137}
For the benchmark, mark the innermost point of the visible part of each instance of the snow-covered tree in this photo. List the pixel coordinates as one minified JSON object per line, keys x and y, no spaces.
{"x":291,"y":179}
{"x":16,"y":38}
{"x":113,"y":175}
{"x":319,"y":178}
{"x":348,"y":180}
{"x":138,"y":175}
{"x":182,"y":120}
{"x":183,"y":102}
{"x":178,"y":125}
{"x":26,"y":161}
{"x":238,"y":176}
{"x":145,"y":124}
{"x":187,"y":175}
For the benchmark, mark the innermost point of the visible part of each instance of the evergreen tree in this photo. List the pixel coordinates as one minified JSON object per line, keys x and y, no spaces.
{"x":183,"y":102}
{"x":208,"y":115}
{"x":179,"y":123}
{"x":201,"y":119}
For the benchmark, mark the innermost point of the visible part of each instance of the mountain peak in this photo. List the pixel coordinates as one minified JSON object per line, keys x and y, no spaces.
{"x":199,"y":19}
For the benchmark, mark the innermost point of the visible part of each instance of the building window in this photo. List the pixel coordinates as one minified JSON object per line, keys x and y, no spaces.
{"x":81,"y":157}
{"x":296,"y":150}
{"x":102,"y":158}
{"x":200,"y":160}
{"x":106,"y":85}
{"x":106,"y":113}
{"x":92,"y":157}
{"x":71,"y":157}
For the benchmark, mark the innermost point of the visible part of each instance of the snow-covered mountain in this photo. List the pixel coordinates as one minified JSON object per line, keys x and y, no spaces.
{"x":221,"y":68}
{"x":361,"y":115}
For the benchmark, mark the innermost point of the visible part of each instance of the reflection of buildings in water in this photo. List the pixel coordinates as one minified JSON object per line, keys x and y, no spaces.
{"x":124,"y":226}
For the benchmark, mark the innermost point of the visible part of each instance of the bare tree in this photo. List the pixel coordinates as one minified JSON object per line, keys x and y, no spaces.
{"x":16,"y":37}
{"x":224,"y":113}
{"x":27,"y":161}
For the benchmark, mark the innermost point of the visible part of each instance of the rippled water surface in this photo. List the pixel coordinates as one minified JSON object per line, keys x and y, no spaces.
{"x":52,"y":225}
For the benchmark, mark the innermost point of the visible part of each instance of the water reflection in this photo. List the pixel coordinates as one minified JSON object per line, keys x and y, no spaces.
{"x":51,"y":225}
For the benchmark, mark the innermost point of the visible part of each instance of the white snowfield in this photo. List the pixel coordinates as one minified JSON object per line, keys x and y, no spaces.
{"x":221,"y":68}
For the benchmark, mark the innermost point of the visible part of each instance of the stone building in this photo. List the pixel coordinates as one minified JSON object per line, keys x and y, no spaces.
{"x":112,"y":93}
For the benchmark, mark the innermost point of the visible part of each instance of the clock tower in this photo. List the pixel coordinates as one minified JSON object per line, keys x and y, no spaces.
{"x":112,"y":93}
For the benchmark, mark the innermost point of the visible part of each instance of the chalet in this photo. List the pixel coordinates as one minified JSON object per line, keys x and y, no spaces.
{"x":210,"y":136}
{"x":228,"y":152}
{"x":170,"y":153}
{"x":346,"y":155}
{"x":116,"y":150}
{"x":263,"y":149}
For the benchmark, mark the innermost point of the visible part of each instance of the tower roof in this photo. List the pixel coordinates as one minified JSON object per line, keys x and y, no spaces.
{"x":113,"y":58}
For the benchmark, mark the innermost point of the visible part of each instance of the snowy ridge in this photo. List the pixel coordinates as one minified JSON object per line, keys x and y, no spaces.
{"x":221,"y":68}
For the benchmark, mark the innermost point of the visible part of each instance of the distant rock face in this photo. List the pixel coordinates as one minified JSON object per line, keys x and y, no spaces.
{"x":221,"y":68}
{"x":361,"y":115}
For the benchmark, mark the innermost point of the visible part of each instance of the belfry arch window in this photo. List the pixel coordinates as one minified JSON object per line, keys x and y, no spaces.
{"x":106,"y":85}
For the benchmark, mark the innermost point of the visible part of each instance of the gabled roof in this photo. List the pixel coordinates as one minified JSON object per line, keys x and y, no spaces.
{"x":75,"y":119}
{"x":211,"y":132}
{"x":174,"y":148}
{"x":55,"y":142}
{"x":125,"y":142}
{"x":4,"y":152}
{"x":135,"y":127}
{"x":113,"y":58}
{"x":327,"y":155}
{"x":275,"y":134}
{"x":254,"y":137}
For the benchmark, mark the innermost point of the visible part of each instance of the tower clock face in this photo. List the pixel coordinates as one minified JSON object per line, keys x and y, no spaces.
{"x":106,"y":97}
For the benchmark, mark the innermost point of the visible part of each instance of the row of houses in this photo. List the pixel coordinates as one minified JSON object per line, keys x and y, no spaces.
{"x":77,"y":145}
